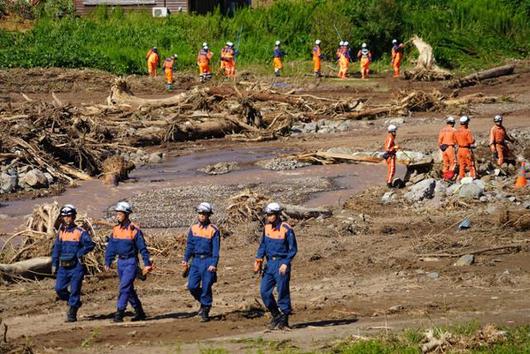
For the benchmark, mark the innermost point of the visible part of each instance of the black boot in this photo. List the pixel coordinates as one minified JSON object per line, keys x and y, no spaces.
{"x":275,"y":320}
{"x":139,"y":314}
{"x":205,"y":313}
{"x":283,"y":322}
{"x":71,"y":315}
{"x":118,"y":316}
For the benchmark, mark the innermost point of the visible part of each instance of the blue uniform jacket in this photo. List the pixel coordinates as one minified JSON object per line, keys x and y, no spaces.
{"x":125,"y":242}
{"x":203,"y":240}
{"x":278,"y":240}
{"x":71,"y":243}
{"x":278,"y":53}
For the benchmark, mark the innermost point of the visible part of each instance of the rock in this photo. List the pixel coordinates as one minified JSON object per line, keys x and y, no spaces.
{"x":466,"y":180}
{"x":418,"y":178}
{"x":433,"y":275}
{"x":452,"y":189}
{"x":220,"y":168}
{"x":155,"y":157}
{"x":8,"y":183}
{"x":396,"y":308}
{"x":526,"y":205}
{"x":388,"y":197}
{"x":395,"y":121}
{"x":421,"y":191}
{"x":440,"y":190}
{"x":466,"y":260}
{"x":470,"y":191}
{"x":34,"y":179}
{"x":49,"y":177}
{"x":486,"y":179}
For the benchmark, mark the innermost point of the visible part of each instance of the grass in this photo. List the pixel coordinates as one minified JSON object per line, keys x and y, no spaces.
{"x":466,"y":34}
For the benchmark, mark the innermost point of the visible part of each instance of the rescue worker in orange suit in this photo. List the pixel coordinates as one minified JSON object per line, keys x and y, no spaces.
{"x":168,"y":67}
{"x":317,"y":57}
{"x":203,"y":61}
{"x":446,"y":143}
{"x":203,"y":245}
{"x":277,"y":58}
{"x":390,"y":154}
{"x":125,"y":242}
{"x":397,"y":56}
{"x":71,"y":245}
{"x":153,"y":60}
{"x":228,"y":60}
{"x":343,"y":58}
{"x":498,"y":139}
{"x":365,"y":58}
{"x":466,"y":142}
{"x":278,"y":246}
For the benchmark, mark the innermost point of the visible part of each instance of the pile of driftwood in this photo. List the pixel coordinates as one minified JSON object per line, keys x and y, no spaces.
{"x":426,"y":68}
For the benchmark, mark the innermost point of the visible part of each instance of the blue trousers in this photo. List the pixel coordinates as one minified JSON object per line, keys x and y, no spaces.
{"x":72,"y":277}
{"x":200,"y":280}
{"x":271,"y":279}
{"x":127,"y":270}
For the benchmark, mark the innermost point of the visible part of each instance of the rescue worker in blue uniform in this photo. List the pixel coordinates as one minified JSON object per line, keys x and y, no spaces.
{"x":126,"y":241}
{"x":203,"y":245}
{"x":278,"y":246}
{"x":70,"y":246}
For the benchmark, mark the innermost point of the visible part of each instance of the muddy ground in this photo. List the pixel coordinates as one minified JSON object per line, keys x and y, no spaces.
{"x":368,"y":268}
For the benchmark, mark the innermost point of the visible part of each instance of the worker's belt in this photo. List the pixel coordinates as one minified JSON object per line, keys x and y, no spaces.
{"x":203,"y":256}
{"x":275,"y":258}
{"x":126,"y":257}
{"x":464,"y":147}
{"x":68,"y":264}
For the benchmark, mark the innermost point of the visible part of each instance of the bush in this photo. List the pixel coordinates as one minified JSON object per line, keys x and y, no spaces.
{"x":465,"y":34}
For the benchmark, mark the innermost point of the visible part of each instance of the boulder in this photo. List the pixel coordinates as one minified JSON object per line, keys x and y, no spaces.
{"x":34,"y":179}
{"x":466,"y":260}
{"x":421,"y":191}
{"x":471,"y":190}
{"x":388,"y":197}
{"x":8,"y":183}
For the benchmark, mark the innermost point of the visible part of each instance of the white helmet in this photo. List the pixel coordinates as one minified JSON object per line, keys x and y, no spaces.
{"x":363,"y":45}
{"x":204,"y":44}
{"x":464,"y":120}
{"x":277,"y":43}
{"x":341,"y":43}
{"x":230,"y":44}
{"x":346,"y":43}
{"x":498,"y":118}
{"x":317,"y":42}
{"x":205,"y":47}
{"x":392,"y":128}
{"x":175,"y":56}
{"x":68,"y":209}
{"x":123,"y":207}
{"x":204,"y":208}
{"x":273,"y":208}
{"x":450,"y":120}
{"x":394,"y":41}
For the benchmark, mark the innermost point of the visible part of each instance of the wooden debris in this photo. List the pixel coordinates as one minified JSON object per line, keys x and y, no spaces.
{"x":426,"y":68}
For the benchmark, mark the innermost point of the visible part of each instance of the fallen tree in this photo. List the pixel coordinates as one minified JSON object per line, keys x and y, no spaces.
{"x":477,"y":77}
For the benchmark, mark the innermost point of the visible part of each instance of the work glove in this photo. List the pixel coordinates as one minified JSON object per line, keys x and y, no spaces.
{"x":258,"y":265}
{"x":185,"y":269}
{"x":54,"y":270}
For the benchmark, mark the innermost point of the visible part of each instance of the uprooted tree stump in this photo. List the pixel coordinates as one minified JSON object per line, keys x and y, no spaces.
{"x":518,"y":219}
{"x":426,"y":68}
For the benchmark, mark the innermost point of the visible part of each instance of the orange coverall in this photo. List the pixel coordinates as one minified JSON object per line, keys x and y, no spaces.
{"x":316,"y":59}
{"x":168,"y":70}
{"x":365,"y":58}
{"x":464,"y":140}
{"x":397,"y":56}
{"x":447,"y":137}
{"x":203,"y":61}
{"x":498,"y":138}
{"x":391,"y":149}
{"x":152,"y":62}
{"x":228,"y":61}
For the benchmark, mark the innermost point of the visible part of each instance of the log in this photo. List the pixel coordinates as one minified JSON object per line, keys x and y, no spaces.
{"x":475,"y":78}
{"x":370,"y":113}
{"x":300,"y":212}
{"x":30,"y":269}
